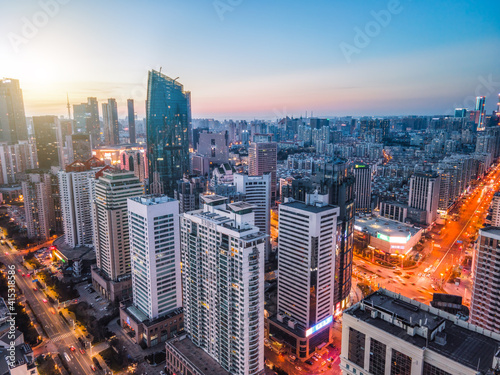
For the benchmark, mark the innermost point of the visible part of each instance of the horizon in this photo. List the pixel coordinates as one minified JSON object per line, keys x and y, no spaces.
{"x":242,"y":62}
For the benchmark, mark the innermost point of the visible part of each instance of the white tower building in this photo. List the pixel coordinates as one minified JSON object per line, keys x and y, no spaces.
{"x":223,"y":283}
{"x":154,"y":253}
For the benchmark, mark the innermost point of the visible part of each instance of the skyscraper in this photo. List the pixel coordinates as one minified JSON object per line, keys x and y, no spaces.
{"x":167,"y":113}
{"x":263,"y":158}
{"x":333,"y":178}
{"x":155,"y":313}
{"x":223,"y":283}
{"x":424,"y":194}
{"x":111,"y":232}
{"x":76,"y":197}
{"x":480,"y":112}
{"x":86,"y":116}
{"x":257,"y":191}
{"x":485,"y":306}
{"x":38,"y":205}
{"x":15,"y":159}
{"x":307,"y":244}
{"x":13,"y":126}
{"x":48,"y":141}
{"x":79,"y":147}
{"x":363,"y":188}
{"x":131,"y":120}
{"x":111,"y":127}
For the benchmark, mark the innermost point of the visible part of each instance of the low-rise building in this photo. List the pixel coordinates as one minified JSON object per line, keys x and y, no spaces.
{"x":387,"y":333}
{"x":391,"y":237}
{"x":184,"y":357}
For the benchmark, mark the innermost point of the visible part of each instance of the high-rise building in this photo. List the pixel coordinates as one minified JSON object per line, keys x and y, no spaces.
{"x":111,"y":232}
{"x":79,"y":147}
{"x":15,"y":159}
{"x":135,"y":161}
{"x":168,"y":114}
{"x":13,"y":127}
{"x":424,"y":194}
{"x":223,"y":283}
{"x":333,"y":178}
{"x":48,"y":141}
{"x":188,"y":193}
{"x":93,"y":123}
{"x":110,"y":119}
{"x":155,"y":313}
{"x":86,"y":117}
{"x":306,"y":266}
{"x":80,"y":116}
{"x":363,"y":188}
{"x":263,"y":158}
{"x":76,"y":197}
{"x":213,"y":146}
{"x":131,"y":120}
{"x":495,"y":210}
{"x":257,"y":191}
{"x":387,"y":333}
{"x":480,"y":112}
{"x":38,"y":204}
{"x":485,"y":306}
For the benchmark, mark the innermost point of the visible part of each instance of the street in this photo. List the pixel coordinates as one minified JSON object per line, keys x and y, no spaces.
{"x":61,"y":334}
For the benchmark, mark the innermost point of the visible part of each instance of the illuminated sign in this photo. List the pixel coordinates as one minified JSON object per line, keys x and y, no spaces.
{"x":393,"y":239}
{"x":320,"y":325}
{"x":360,"y":166}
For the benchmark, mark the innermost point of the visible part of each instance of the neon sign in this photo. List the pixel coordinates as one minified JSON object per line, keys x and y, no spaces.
{"x":320,"y":325}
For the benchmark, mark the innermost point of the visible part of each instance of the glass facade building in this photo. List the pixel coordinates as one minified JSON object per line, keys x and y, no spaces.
{"x":168,"y":116}
{"x":334,"y":179}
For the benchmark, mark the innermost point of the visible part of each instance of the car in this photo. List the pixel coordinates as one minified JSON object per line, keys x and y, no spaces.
{"x":72,"y":348}
{"x":309,"y":362}
{"x":82,"y":351}
{"x":44,"y":300}
{"x":314,"y":358}
{"x":330,"y":359}
{"x":93,"y":368}
{"x":35,"y":289}
{"x":323,"y":363}
{"x":6,"y":253}
{"x":298,"y":368}
{"x":67,"y":357}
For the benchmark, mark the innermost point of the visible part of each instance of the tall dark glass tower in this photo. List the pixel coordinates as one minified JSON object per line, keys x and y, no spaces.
{"x":334,"y":179}
{"x":167,"y":121}
{"x":131,"y":120}
{"x":12,"y":118}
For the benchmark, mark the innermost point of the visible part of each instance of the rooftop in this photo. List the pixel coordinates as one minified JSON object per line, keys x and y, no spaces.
{"x":317,"y":208}
{"x":196,"y":356}
{"x":151,"y":200}
{"x":426,"y":327}
{"x":387,"y":227}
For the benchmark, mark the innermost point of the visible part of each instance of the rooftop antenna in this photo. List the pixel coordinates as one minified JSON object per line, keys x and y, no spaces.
{"x":68,"y":106}
{"x":160,"y":69}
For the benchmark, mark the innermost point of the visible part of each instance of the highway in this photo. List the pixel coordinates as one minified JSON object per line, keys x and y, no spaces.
{"x":61,"y":335}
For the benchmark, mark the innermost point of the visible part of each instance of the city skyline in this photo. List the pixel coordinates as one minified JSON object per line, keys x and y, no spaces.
{"x":321,"y":64}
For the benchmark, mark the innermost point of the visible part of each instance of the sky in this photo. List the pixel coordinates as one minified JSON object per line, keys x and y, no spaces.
{"x":261,"y":59}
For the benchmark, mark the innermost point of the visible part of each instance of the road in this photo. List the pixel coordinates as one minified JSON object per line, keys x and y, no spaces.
{"x":445,"y":251}
{"x":61,"y":335}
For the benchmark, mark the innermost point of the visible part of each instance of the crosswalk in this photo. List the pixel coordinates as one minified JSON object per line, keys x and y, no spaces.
{"x":61,"y":336}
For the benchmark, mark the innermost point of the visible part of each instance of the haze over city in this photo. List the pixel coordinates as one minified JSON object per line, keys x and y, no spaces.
{"x":257,"y":59}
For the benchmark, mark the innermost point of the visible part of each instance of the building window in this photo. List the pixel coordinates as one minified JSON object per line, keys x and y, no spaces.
{"x":377,"y":357}
{"x":401,"y":363}
{"x":356,"y":347}
{"x":433,"y":370}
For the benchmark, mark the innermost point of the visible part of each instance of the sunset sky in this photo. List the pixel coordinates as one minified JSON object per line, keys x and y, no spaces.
{"x":256,"y":59}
